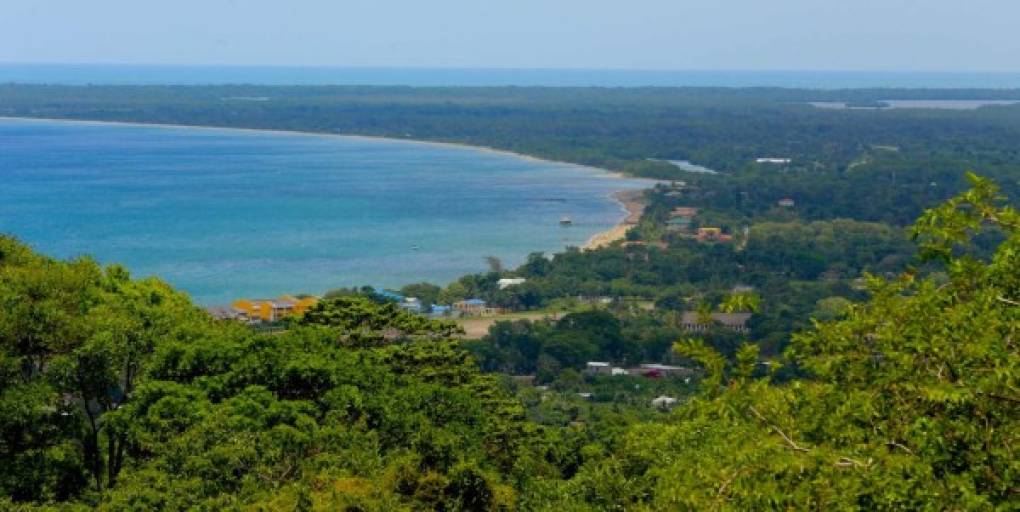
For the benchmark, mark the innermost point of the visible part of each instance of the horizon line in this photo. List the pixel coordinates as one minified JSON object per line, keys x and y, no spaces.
{"x":514,"y":68}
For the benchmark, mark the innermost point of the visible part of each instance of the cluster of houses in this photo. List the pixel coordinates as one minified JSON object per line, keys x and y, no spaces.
{"x":257,"y":311}
{"x":461,"y":308}
{"x":693,"y":321}
{"x":264,"y":310}
{"x":681,"y":220}
{"x":650,"y":370}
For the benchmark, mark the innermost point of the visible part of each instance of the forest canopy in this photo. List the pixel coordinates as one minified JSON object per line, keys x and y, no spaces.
{"x":119,"y":394}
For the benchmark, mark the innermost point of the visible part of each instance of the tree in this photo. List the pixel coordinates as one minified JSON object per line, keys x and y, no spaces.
{"x":495,"y":264}
{"x":910,"y":400}
{"x":743,"y":302}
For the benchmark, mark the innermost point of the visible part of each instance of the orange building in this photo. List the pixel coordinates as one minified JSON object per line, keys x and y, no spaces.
{"x":713,"y":235}
{"x":272,"y":310}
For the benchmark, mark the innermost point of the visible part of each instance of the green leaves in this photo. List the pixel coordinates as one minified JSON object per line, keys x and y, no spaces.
{"x":744,"y":302}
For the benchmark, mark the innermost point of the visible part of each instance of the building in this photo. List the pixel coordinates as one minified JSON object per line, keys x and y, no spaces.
{"x":713,"y":235}
{"x":664,"y":402}
{"x":470,"y":307}
{"x":770,"y":160}
{"x":786,"y":202}
{"x":390,"y":295}
{"x":734,"y":321}
{"x":411,"y":304}
{"x":228,"y":313}
{"x":664,"y":370}
{"x":272,"y":310}
{"x":507,"y":282}
{"x":440,"y":311}
{"x":598,"y":367}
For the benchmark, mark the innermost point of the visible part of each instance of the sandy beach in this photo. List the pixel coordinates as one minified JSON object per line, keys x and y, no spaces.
{"x":633,"y":201}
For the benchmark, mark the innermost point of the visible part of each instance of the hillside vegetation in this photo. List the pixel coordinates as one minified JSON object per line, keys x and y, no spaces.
{"x":119,"y":394}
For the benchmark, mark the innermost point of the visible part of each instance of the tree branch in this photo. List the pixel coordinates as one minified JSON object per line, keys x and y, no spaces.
{"x":1004,"y":300}
{"x":900,"y":446}
{"x":1000,"y":397}
{"x":792,"y":444}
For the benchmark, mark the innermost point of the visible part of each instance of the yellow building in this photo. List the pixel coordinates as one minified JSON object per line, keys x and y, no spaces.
{"x":272,"y":310}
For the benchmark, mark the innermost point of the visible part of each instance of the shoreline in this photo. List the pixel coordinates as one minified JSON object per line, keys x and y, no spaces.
{"x":306,"y":133}
{"x":633,"y":203}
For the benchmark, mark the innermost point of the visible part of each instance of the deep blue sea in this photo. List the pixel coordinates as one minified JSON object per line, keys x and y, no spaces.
{"x":79,"y":74}
{"x":224,"y":214}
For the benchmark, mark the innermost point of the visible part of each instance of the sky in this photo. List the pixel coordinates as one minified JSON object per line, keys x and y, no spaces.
{"x":874,"y":35}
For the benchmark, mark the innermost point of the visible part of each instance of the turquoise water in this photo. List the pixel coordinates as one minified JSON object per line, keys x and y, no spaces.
{"x":77,"y":74}
{"x":225,"y":214}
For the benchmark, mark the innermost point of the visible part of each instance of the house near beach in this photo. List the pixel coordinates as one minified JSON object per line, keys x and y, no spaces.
{"x":411,"y":304}
{"x":470,"y":307}
{"x":271,"y":310}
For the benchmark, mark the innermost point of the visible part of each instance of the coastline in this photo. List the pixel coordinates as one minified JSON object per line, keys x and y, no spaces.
{"x":306,"y":133}
{"x":632,"y":202}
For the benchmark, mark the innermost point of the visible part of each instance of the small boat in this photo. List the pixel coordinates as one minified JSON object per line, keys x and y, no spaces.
{"x":415,"y":247}
{"x":565,"y":221}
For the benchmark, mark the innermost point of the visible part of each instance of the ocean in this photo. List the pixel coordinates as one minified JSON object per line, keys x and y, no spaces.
{"x":108,"y":74}
{"x":224,"y":214}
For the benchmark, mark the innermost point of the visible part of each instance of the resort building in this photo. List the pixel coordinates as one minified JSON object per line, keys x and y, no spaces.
{"x":272,"y":310}
{"x":786,"y":202}
{"x":227,"y":313}
{"x":734,"y":321}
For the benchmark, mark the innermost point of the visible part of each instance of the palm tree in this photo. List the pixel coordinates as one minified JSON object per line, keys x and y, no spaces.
{"x":744,"y":302}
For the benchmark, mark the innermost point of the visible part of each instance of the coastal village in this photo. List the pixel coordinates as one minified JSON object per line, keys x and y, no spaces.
{"x":476,"y":316}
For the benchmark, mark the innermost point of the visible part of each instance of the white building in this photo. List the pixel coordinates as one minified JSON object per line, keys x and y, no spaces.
{"x":663,"y":402}
{"x":596,"y":367}
{"x":507,"y":282}
{"x":770,"y":160}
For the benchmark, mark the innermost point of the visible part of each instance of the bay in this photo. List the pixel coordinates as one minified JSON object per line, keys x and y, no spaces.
{"x":224,"y":214}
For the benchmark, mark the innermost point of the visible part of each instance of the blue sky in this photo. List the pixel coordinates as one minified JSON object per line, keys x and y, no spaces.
{"x":901,"y":35}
